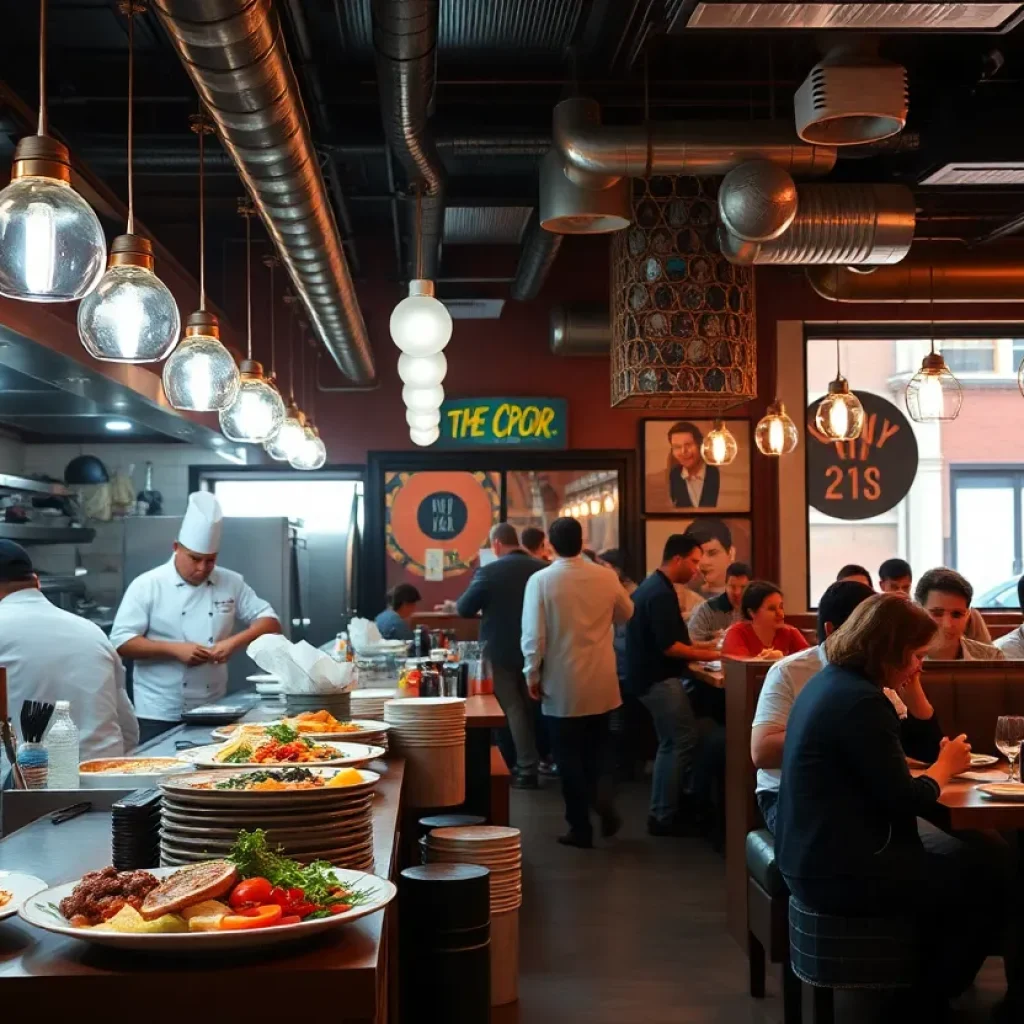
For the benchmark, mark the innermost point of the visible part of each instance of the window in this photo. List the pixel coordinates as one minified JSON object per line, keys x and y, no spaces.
{"x":965,"y":505}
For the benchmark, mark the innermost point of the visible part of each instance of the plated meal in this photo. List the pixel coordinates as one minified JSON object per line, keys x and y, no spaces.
{"x":128,"y":772}
{"x":276,"y":745}
{"x":15,"y":887}
{"x":283,"y":780}
{"x":254,"y":896}
{"x":314,"y":725}
{"x":5,"y":898}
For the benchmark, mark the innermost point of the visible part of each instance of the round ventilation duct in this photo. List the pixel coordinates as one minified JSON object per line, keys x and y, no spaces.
{"x":570,"y":209}
{"x":757,"y":201}
{"x":851,"y":98}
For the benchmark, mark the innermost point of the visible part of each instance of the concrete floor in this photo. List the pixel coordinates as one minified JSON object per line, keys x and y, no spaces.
{"x":633,"y":932}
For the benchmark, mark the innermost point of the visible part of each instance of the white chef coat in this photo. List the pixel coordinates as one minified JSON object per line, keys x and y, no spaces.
{"x":159,"y":605}
{"x":52,"y":655}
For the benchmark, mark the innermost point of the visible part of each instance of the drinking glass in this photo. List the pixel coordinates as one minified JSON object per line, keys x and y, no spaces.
{"x":1009,"y":736}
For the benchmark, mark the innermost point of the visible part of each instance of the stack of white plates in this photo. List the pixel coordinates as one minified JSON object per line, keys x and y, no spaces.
{"x":335,"y":825}
{"x":369,"y":703}
{"x":498,"y":850}
{"x":267,"y":686}
{"x":430,"y":733}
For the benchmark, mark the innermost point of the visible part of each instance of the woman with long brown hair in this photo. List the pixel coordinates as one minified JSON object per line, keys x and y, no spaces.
{"x":847,"y":838}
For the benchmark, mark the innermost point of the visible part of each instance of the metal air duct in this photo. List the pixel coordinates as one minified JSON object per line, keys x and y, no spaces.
{"x":540,"y":247}
{"x":580,"y":330}
{"x":596,"y":156}
{"x":847,"y":224}
{"x":234,"y":52}
{"x":405,"y":39}
{"x":570,"y":209}
{"x":972,"y":279}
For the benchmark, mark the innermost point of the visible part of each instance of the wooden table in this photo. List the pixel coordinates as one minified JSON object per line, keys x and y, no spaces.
{"x":968,"y":809}
{"x":483,"y":713}
{"x":713,"y":677}
{"x":347,"y":970}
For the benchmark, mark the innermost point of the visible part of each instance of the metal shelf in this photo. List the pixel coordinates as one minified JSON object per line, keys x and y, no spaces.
{"x":33,"y":533}
{"x":21,"y":483}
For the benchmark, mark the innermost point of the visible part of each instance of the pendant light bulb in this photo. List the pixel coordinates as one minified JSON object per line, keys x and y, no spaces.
{"x":422,"y":371}
{"x":423,"y":399}
{"x":290,"y":438}
{"x":776,"y":433}
{"x":840,"y":416}
{"x":423,"y":420}
{"x":934,"y":394}
{"x":131,"y":315}
{"x":420,"y":325}
{"x":424,"y":438}
{"x":52,"y":247}
{"x":201,"y":375}
{"x":719,"y":447}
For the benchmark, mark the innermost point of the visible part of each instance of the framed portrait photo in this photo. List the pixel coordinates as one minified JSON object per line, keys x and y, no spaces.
{"x":676,"y":478}
{"x":724,"y":540}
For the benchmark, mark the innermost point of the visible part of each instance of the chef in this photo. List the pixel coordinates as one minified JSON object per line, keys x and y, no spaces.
{"x":177,"y":622}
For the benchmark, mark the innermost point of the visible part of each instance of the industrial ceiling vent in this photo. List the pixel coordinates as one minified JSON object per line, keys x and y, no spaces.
{"x":682,"y":316}
{"x":850,"y":98}
{"x":570,"y":209}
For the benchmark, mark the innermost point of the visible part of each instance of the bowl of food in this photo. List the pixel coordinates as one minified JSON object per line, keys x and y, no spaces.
{"x":128,"y":772}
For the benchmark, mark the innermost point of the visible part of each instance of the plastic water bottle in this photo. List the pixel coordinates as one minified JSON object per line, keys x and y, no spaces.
{"x":62,"y":744}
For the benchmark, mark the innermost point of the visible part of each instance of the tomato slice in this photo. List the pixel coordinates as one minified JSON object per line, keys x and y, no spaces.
{"x":257,"y":917}
{"x":290,"y":919}
{"x":251,"y":892}
{"x":339,"y":908}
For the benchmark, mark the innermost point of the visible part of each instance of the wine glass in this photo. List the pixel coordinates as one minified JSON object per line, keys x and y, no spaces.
{"x":1009,"y":736}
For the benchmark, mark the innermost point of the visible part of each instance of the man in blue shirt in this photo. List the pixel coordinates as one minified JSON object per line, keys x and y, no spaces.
{"x":395,"y":622}
{"x":657,"y":649}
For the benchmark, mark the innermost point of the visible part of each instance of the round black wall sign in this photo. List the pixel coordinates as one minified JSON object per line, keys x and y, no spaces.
{"x":866,"y":477}
{"x":442,"y":515}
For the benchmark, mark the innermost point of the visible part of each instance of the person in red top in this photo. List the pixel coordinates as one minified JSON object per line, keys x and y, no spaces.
{"x":763,"y":628}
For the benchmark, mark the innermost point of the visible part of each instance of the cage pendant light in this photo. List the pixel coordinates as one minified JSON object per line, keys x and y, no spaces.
{"x":840,"y":416}
{"x":201,"y":374}
{"x":719,"y":447}
{"x":934,"y":394}
{"x":131,"y":315}
{"x":52,"y":247}
{"x":776,"y":433}
{"x":257,"y":412}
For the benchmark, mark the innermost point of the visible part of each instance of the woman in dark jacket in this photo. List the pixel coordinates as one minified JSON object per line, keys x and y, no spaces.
{"x":847,"y":838}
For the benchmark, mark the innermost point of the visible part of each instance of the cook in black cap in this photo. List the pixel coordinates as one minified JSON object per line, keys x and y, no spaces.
{"x":15,"y":564}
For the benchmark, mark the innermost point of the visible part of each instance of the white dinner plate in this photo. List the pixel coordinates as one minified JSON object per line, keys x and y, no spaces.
{"x":983,"y":760}
{"x":351,"y":755}
{"x":1002,"y":790}
{"x":20,"y":886}
{"x":366,"y":728}
{"x":41,"y":911}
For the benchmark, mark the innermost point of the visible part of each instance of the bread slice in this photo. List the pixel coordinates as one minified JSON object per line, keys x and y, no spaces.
{"x":190,"y":885}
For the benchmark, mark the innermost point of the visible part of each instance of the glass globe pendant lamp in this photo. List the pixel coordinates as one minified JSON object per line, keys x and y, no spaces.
{"x":422,"y":371}
{"x":840,"y":415}
{"x":258,"y":411}
{"x":52,"y":247}
{"x":719,"y":447}
{"x":201,"y":374}
{"x":776,"y":433}
{"x":290,"y":437}
{"x":934,"y":395}
{"x":423,"y":420}
{"x":423,"y":399}
{"x":420,"y":325}
{"x":424,"y":437}
{"x":131,"y":315}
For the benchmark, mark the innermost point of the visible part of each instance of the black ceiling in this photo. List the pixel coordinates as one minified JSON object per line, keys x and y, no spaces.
{"x":501,"y":66}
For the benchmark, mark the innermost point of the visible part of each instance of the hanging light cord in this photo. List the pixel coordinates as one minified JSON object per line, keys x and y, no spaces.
{"x":302,"y":363}
{"x":931,"y":303}
{"x":202,"y":215}
{"x":131,"y":114}
{"x":291,"y":356}
{"x":839,"y":372}
{"x":419,"y":232}
{"x":43,"y":126}
{"x":273,"y":340}
{"x":248,"y":281}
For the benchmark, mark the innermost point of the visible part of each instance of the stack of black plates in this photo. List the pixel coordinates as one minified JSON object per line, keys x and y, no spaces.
{"x":136,"y":831}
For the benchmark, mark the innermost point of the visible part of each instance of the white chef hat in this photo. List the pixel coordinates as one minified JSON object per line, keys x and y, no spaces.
{"x":201,"y":528}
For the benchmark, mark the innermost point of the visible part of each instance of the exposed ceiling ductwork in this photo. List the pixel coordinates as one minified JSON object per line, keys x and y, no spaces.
{"x":235,"y":54}
{"x":570,"y":209}
{"x":540,"y":248}
{"x":597,"y":156}
{"x":405,"y":38}
{"x":846,"y":224}
{"x":580,"y":330}
{"x":958,"y":279}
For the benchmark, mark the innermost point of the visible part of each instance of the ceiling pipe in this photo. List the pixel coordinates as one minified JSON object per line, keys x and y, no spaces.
{"x":597,"y":156}
{"x":971,"y":279}
{"x":582,"y":329}
{"x":234,"y":52}
{"x":405,"y":40}
{"x":540,"y":248}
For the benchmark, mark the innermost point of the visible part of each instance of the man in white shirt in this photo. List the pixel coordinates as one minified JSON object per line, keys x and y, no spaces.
{"x":52,"y":655}
{"x":569,"y":613}
{"x":1012,"y":644}
{"x":919,"y":730}
{"x":177,"y":622}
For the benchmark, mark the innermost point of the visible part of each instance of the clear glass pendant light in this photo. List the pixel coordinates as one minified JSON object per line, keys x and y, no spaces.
{"x":52,"y":247}
{"x":258,"y":411}
{"x":840,"y":415}
{"x":201,"y":374}
{"x":131,"y":315}
{"x":311,"y":452}
{"x":719,"y":447}
{"x":934,"y":395}
{"x":776,"y":433}
{"x":290,"y":438}
{"x":272,"y":445}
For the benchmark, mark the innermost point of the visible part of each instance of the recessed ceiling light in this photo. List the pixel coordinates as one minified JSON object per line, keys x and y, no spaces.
{"x":118,"y":426}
